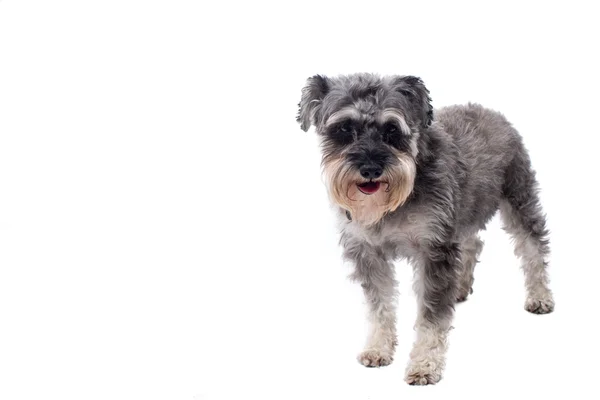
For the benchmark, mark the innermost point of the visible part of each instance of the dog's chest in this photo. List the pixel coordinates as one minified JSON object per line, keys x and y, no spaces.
{"x":404,"y":233}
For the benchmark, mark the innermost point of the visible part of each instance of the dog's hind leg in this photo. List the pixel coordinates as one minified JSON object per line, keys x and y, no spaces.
{"x":524,"y":220}
{"x":470,"y":250}
{"x":375,"y":273}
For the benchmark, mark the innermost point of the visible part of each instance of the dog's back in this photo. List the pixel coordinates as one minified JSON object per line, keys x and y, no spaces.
{"x":484,"y":136}
{"x":487,"y":145}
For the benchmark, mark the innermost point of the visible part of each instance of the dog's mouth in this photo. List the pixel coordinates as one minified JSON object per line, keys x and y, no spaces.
{"x":369,"y":187}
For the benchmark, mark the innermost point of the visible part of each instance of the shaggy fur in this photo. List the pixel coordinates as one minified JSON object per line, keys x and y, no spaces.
{"x":438,"y":178}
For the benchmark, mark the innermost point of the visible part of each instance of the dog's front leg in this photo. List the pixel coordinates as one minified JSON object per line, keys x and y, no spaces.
{"x":376,"y":276}
{"x":436,"y":282}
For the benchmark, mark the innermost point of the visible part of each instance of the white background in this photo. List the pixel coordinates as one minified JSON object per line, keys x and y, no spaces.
{"x":164,"y":231}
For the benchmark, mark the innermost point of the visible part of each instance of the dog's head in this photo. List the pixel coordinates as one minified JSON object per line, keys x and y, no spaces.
{"x":369,"y":126}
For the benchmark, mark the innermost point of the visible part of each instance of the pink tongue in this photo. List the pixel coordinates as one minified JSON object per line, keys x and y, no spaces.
{"x":369,"y":187}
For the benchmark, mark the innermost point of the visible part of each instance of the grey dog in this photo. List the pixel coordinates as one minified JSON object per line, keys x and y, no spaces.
{"x":410,"y":183}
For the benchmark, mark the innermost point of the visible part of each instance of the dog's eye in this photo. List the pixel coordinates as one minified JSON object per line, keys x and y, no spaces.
{"x":390,"y":129}
{"x":346,"y":127}
{"x":391,"y":135}
{"x":343,"y":133}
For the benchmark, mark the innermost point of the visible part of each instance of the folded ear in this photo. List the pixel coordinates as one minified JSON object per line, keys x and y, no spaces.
{"x":414,"y":89}
{"x":312,"y":95}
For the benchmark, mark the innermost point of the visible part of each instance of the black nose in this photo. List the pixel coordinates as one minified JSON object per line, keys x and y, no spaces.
{"x":370,"y":171}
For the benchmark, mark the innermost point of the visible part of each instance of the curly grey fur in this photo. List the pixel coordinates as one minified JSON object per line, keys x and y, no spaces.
{"x":470,"y":162}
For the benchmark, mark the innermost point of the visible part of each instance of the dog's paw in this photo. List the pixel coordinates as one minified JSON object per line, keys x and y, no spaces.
{"x":375,"y":358}
{"x":542,"y":305}
{"x":422,"y":373}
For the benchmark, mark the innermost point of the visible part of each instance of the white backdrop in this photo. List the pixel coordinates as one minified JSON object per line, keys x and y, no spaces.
{"x":164,"y":231}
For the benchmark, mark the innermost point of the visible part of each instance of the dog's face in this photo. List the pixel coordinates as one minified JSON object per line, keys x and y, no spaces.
{"x":370,"y":127}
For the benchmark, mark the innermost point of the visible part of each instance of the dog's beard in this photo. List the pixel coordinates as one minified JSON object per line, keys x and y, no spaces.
{"x":396,"y":184}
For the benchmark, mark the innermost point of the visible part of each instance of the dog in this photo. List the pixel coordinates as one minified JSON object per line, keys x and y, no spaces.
{"x":408,"y":182}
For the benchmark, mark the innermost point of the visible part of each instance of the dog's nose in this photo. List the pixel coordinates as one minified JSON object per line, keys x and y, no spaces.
{"x":370,"y":171}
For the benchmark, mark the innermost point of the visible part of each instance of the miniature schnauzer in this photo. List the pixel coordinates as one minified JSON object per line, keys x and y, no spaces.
{"x":413,"y":184}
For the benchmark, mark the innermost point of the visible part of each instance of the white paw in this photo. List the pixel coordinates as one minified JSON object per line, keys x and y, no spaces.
{"x":375,"y":358}
{"x":540,"y":305}
{"x":423,"y":372}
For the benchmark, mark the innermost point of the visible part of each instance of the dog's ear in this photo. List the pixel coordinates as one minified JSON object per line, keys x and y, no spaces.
{"x":414,"y":89}
{"x":312,"y":94}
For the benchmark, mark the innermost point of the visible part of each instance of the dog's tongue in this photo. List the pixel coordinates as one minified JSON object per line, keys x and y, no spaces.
{"x":369,"y":187}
